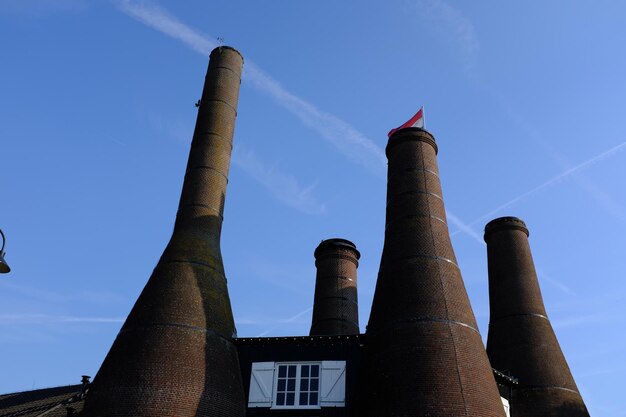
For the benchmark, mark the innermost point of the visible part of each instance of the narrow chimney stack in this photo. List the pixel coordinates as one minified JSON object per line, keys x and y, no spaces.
{"x":424,"y":355}
{"x":174,"y":356}
{"x":521,"y":339}
{"x":336,"y":308}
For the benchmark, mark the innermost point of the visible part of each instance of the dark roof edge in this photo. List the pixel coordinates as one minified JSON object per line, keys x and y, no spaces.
{"x":77,"y":386}
{"x":504,"y":377}
{"x":287,"y":339}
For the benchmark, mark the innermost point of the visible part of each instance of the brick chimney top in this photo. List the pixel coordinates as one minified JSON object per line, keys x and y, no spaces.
{"x":411,"y":133}
{"x":505,"y":223}
{"x":336,"y":243}
{"x":219,"y":49}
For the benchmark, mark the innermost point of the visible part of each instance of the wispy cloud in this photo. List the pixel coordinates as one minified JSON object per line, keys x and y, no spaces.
{"x":39,"y":8}
{"x":464,"y":228}
{"x":160,"y":19}
{"x":45,"y":296}
{"x":563,"y":176}
{"x":602,"y":371}
{"x":292,"y":277}
{"x":283,"y":186}
{"x":575,"y":321}
{"x":452,"y":23}
{"x":44,"y":319}
{"x":344,"y":138}
{"x":341,"y":135}
{"x":291,"y":319}
{"x":167,"y":127}
{"x":264,"y":321}
{"x":254,"y":321}
{"x":603,"y":199}
{"x":555,"y":283}
{"x":602,"y":310}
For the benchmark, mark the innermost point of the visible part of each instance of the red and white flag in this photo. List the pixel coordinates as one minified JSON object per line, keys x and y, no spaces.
{"x":415,"y":121}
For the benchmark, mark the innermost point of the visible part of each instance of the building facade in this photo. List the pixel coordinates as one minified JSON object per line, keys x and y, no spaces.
{"x":177,"y":354}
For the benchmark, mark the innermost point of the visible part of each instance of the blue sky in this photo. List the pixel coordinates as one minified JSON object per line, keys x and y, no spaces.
{"x":97,"y":111}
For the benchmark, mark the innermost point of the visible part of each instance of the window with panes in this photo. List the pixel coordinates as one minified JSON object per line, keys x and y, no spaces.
{"x":297,"y":385}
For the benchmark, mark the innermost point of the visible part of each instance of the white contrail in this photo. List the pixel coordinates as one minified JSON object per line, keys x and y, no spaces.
{"x":45,"y":318}
{"x":554,"y":180}
{"x":555,"y":282}
{"x":452,"y":22}
{"x":464,"y":228}
{"x":605,"y":201}
{"x":289,"y":320}
{"x":160,"y":19}
{"x":345,"y":138}
{"x":283,"y":186}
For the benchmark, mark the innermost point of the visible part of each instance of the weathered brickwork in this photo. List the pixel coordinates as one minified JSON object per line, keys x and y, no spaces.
{"x":174,"y":356}
{"x":336,"y":308}
{"x":424,"y":355}
{"x":521,"y":339}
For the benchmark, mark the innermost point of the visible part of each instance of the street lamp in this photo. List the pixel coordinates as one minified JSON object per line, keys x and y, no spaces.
{"x":4,"y":266}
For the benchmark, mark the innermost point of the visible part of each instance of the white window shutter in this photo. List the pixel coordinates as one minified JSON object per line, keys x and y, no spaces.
{"x":507,"y":408}
{"x":261,"y":384}
{"x":333,"y":384}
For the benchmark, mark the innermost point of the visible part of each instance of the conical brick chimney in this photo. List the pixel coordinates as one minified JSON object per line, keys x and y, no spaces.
{"x":521,"y":340}
{"x":336,"y":308}
{"x":424,"y":355}
{"x":174,"y":356}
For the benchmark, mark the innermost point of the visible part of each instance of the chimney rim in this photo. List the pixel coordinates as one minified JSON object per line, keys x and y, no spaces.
{"x":411,"y":133}
{"x":218,"y":49}
{"x":337,"y":243}
{"x":505,"y":223}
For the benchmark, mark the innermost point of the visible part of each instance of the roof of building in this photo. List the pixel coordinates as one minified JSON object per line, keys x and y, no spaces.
{"x":51,"y":402}
{"x":504,"y":378}
{"x":299,"y":339}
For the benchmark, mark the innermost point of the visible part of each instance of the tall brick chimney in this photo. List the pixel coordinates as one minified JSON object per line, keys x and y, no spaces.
{"x":521,"y":339}
{"x":174,"y":356}
{"x":336,"y":308}
{"x":424,"y":355}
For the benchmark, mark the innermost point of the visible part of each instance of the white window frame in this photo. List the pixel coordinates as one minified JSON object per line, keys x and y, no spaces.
{"x":296,"y":404}
{"x":507,"y":407}
{"x":264,"y":384}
